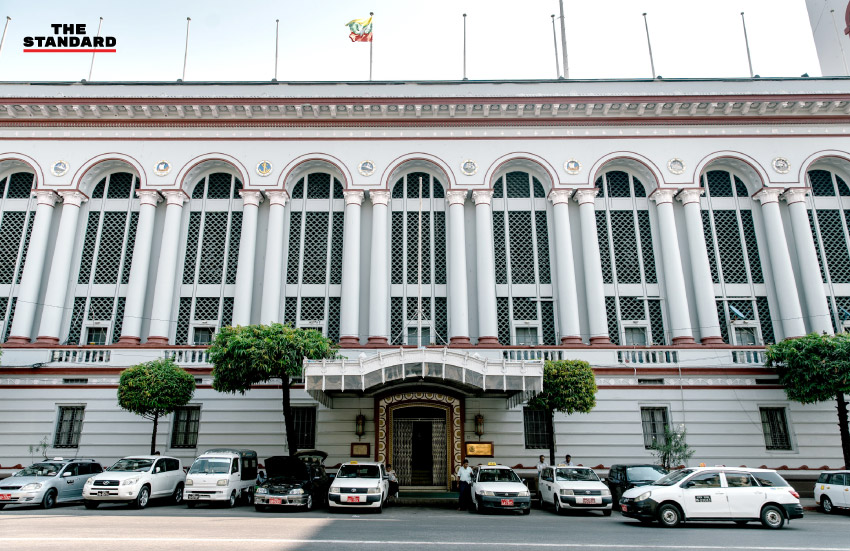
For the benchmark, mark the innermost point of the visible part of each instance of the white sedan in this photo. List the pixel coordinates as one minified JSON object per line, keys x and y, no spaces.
{"x":574,"y":488}
{"x":497,"y":487}
{"x":359,"y":484}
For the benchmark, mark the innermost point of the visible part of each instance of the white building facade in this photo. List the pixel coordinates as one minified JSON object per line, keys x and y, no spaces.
{"x":449,"y":236}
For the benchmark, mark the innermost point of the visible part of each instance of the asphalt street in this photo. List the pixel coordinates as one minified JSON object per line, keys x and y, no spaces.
{"x":167,"y":527}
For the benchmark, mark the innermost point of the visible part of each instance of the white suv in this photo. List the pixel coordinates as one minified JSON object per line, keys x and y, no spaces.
{"x":135,"y":481}
{"x":574,"y":488}
{"x":359,"y":485}
{"x":715,"y":493}
{"x":832,"y":491}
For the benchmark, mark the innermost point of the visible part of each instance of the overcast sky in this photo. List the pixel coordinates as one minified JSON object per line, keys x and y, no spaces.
{"x":235,"y":40}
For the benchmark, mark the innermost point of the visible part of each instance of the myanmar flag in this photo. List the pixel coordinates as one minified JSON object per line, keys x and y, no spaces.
{"x":361,"y":30}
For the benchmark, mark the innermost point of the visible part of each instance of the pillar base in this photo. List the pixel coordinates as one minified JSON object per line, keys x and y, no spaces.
{"x":47,"y":341}
{"x":571,"y":341}
{"x":460,"y":341}
{"x":17,"y":341}
{"x":712,"y":341}
{"x":377,"y":341}
{"x":682,"y":341}
{"x":157,"y":341}
{"x":127,"y":339}
{"x":600,"y":340}
{"x":349,"y":342}
{"x":491,"y":342}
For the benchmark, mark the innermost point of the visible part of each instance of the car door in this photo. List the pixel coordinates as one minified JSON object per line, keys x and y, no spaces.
{"x":547,"y":489}
{"x":845,"y":489}
{"x":744,"y":495}
{"x":84,"y":471}
{"x":65,"y":483}
{"x":175,"y":473}
{"x":836,"y":489}
{"x":385,"y":483}
{"x":159,"y":479}
{"x":703,"y":496}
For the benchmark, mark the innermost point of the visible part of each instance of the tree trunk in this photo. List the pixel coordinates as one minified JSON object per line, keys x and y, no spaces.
{"x":550,"y":432}
{"x":291,"y":444}
{"x":843,"y":428}
{"x":153,"y":436}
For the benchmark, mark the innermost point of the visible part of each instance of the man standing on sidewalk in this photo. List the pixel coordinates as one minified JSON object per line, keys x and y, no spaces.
{"x":464,"y":478}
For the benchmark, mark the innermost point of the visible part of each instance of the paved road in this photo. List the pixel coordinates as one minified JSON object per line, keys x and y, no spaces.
{"x":165,"y":527}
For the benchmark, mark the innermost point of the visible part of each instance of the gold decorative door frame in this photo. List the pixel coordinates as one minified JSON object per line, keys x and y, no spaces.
{"x":452,"y":405}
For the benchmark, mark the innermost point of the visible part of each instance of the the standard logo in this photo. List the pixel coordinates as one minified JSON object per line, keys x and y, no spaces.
{"x":70,"y":37}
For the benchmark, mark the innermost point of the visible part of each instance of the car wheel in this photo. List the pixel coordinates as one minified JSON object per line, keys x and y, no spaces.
{"x":2,"y":505}
{"x":527,"y":511}
{"x":177,"y":497}
{"x":49,"y":499}
{"x":248,"y":496}
{"x":826,"y":505}
{"x":91,"y":504}
{"x":231,"y":503}
{"x":309,"y":506}
{"x":669,"y":515}
{"x":260,"y":508}
{"x":142,"y":499}
{"x":772,"y":517}
{"x":557,"y":504}
{"x":380,"y":507}
{"x":607,"y":512}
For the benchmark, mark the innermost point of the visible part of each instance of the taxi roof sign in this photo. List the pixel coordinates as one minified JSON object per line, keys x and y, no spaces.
{"x":354,"y":462}
{"x":562,"y":464}
{"x":491,"y":463}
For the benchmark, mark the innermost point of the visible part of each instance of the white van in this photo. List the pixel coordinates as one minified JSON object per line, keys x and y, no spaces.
{"x":222,"y":475}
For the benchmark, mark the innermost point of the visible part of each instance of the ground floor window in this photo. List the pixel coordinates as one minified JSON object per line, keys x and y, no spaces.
{"x":654,"y":421}
{"x":536,"y":435}
{"x":304,"y":423}
{"x":184,"y":434}
{"x":775,"y":426}
{"x":69,"y":425}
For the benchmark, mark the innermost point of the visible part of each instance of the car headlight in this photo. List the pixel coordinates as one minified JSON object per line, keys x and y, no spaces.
{"x":606,"y":492}
{"x":643,"y":496}
{"x":567,"y":492}
{"x":29,"y":487}
{"x":523,"y":494}
{"x":485,"y":493}
{"x":190,"y":482}
{"x":223,"y":482}
{"x":375,"y":490}
{"x":334,"y":489}
{"x":130,"y":481}
{"x":296,"y":492}
{"x":90,"y":481}
{"x":261,"y":491}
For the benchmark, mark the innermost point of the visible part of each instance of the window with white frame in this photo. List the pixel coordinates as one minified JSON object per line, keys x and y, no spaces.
{"x":304,"y":423}
{"x":535,"y":429}
{"x":185,"y":427}
{"x":634,"y":336}
{"x":654,"y":421}
{"x":17,"y":212}
{"x":202,"y":336}
{"x":774,"y":423}
{"x":96,"y":336}
{"x":69,"y":426}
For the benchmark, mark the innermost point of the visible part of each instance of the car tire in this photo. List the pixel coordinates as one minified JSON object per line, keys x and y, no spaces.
{"x":772,"y":517}
{"x":142,"y":499}
{"x":607,"y":512}
{"x":826,"y":505}
{"x":310,"y":504}
{"x":248,"y":496}
{"x":49,"y":499}
{"x":177,"y":496}
{"x":556,"y":504}
{"x":91,"y":504}
{"x":231,"y":503}
{"x":527,"y":511}
{"x":669,"y":515}
{"x":2,"y":505}
{"x":260,"y":508}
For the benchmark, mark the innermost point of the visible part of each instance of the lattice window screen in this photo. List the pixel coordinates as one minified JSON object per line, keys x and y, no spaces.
{"x":219,"y":186}
{"x":841,"y":315}
{"x":542,"y":228}
{"x":631,"y":308}
{"x":30,"y":220}
{"x":131,"y":243}
{"x":821,"y":181}
{"x":397,"y":320}
{"x":191,"y":247}
{"x":318,"y":186}
{"x":766,"y":320}
{"x":20,"y":185}
{"x":835,"y":245}
{"x":100,"y":308}
{"x":752,"y":246}
{"x":548,"y":323}
{"x":227,"y":312}
{"x":656,"y":323}
{"x":120,"y":186}
{"x":89,"y":244}
{"x":539,"y":192}
{"x":646,"y":246}
{"x":312,"y":309}
{"x":316,"y":228}
{"x":206,"y":308}
{"x":294,"y":247}
{"x":741,"y":189}
{"x":504,"y":315}
{"x":843,"y":189}
{"x":76,"y":320}
{"x":745,"y":307}
{"x":440,"y":248}
{"x":411,"y":309}
{"x":398,"y":247}
{"x":441,"y":323}
{"x":499,"y":247}
{"x":4,"y":301}
{"x":339,"y":192}
{"x":11,"y":232}
{"x":729,"y":243}
{"x":110,"y":247}
{"x":721,"y":315}
{"x":517,"y":185}
{"x":233,"y":247}
{"x":613,"y":327}
{"x":525,"y":309}
{"x":625,"y":246}
{"x":604,"y":250}
{"x":499,"y":189}
{"x":333,"y":318}
{"x":618,"y":184}
{"x":709,"y":246}
{"x":814,"y":230}
{"x":522,"y":247}
{"x":212,"y":248}
{"x":290,"y":309}
{"x":11,"y":319}
{"x":183,"y":320}
{"x":336,"y":248}
{"x":719,"y":183}
{"x":413,"y":247}
{"x":640,"y":191}
{"x":118,"y":326}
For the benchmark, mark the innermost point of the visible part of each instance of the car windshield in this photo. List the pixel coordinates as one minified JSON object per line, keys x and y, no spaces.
{"x":210,"y":466}
{"x":673,"y":478}
{"x":647,"y":473}
{"x":41,"y":469}
{"x":497,"y":475}
{"x":770,"y":478}
{"x":581,"y":475}
{"x":359,"y":471}
{"x":132,"y":465}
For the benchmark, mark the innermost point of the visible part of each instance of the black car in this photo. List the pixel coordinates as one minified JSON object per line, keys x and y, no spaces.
{"x":622,"y":477}
{"x":299,"y":480}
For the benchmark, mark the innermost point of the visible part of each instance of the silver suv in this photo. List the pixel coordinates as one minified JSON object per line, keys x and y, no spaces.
{"x":48,"y":482}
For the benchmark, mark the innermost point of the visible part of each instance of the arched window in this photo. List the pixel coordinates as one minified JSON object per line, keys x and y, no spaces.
{"x":524,"y":301}
{"x":210,"y":259}
{"x":314,"y":258}
{"x":635,"y":312}
{"x":404,"y":273}
{"x":733,"y":256}
{"x":17,"y":212}
{"x":98,"y":311}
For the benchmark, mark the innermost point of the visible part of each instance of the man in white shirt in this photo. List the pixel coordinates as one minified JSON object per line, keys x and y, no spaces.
{"x":464,"y":479}
{"x":569,"y":461}
{"x":541,"y":465}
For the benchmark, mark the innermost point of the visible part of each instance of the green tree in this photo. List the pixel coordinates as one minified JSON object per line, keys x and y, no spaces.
{"x":153,"y":389}
{"x":673,"y":450}
{"x":245,"y":356}
{"x":569,"y":386}
{"x":816,"y":368}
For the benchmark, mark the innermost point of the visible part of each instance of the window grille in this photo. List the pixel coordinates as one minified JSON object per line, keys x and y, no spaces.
{"x":333,"y":318}
{"x":729,"y":244}
{"x":304,"y":425}
{"x":413,"y":247}
{"x":543,"y":251}
{"x":440,"y":248}
{"x":212,"y":248}
{"x":775,"y":427}
{"x":412,"y":314}
{"x":100,"y":308}
{"x":534,"y":425}
{"x":20,"y":185}
{"x":118,"y":325}
{"x":539,"y":192}
{"x":398,"y":247}
{"x":441,"y":320}
{"x":831,"y":231}
{"x":290,"y":311}
{"x":315,"y":246}
{"x":618,"y":184}
{"x":191,"y":247}
{"x":709,"y":246}
{"x":312,"y":309}
{"x":10,"y":319}
{"x":741,"y":189}
{"x":517,"y":185}
{"x":206,"y":308}
{"x":292,"y":267}
{"x":397,"y":317}
{"x":69,"y":425}
{"x":841,"y":313}
{"x":318,"y":186}
{"x":719,"y":183}
{"x":183,"y":315}
{"x":23,"y":257}
{"x":604,"y":250}
{"x":4,"y":304}
{"x":547,"y":311}
{"x":640,"y":191}
{"x":647,"y":252}
{"x":336,"y":248}
{"x":821,"y":182}
{"x":766,"y":320}
{"x":752,"y":246}
{"x":525,"y":309}
{"x":611,"y":311}
{"x":298,"y":189}
{"x":186,"y":424}
{"x":744,"y":307}
{"x":77,"y":316}
{"x":227,"y":312}
{"x":654,"y":421}
{"x":504,"y":315}
{"x":721,"y":315}
{"x":817,"y":240}
{"x":632,"y":308}
{"x":233,"y":247}
{"x":11,"y":233}
{"x":219,"y":186}
{"x":89,"y":244}
{"x":499,"y":247}
{"x":110,"y":248}
{"x":522,"y":264}
{"x":625,"y":246}
{"x":656,"y":323}
{"x":131,"y":244}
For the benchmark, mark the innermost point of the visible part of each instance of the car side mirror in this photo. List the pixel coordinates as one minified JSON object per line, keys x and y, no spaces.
{"x":688,"y":485}
{"x":66,"y":474}
{"x":157,"y":470}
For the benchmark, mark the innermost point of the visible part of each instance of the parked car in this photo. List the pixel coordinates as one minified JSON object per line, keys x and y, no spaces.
{"x":623,"y":477}
{"x":715,"y":494}
{"x":48,"y":482}
{"x":574,"y":488}
{"x":221,"y":475}
{"x":135,"y":481}
{"x":832,"y":491}
{"x":300,"y":480}
{"x":359,"y":484}
{"x":499,"y":487}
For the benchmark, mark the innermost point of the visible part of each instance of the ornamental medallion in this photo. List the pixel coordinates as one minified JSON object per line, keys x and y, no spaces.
{"x":366,"y":168}
{"x":572,"y":166}
{"x":162,"y":168}
{"x":781,"y":165}
{"x":469,"y":167}
{"x":676,"y":165}
{"x":264,"y":168}
{"x":59,"y":168}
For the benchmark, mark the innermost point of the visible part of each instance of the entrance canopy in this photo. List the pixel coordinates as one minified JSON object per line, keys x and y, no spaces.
{"x":469,"y":372}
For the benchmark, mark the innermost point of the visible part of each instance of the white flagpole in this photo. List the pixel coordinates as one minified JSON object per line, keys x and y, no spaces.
{"x":419,"y":271}
{"x":648,"y":43}
{"x":564,"y":42}
{"x":91,"y":67}
{"x":186,"y":49}
{"x":371,"y":14}
{"x":464,"y":46}
{"x":840,"y":44}
{"x":5,"y":28}
{"x":555,"y":43}
{"x":747,"y":42}
{"x":276,"y":38}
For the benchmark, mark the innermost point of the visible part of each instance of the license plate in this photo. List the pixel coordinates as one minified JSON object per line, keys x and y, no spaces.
{"x":103,"y":493}
{"x":5,"y":497}
{"x":275,"y":501}
{"x":353,"y":499}
{"x":193,"y":496}
{"x":588,"y":500}
{"x":624,"y":508}
{"x":507,"y":502}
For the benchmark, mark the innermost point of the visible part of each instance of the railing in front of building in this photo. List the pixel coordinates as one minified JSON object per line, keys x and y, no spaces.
{"x":81,"y":356}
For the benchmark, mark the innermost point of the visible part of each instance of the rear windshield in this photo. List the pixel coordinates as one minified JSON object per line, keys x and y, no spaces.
{"x":210,"y":466}
{"x":359,"y":471}
{"x":498,"y":475}
{"x":41,"y":469}
{"x":822,"y":478}
{"x":581,"y":475}
{"x":770,"y":478}
{"x":647,"y":473}
{"x":132,"y":465}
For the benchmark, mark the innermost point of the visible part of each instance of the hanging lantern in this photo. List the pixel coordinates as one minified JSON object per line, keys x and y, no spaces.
{"x":360,"y":424}
{"x":479,"y":425}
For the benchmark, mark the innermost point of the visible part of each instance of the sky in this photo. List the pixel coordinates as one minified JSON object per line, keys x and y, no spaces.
{"x":235,"y":41}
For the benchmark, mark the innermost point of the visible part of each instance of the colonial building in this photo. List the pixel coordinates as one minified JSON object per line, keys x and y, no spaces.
{"x":450,"y":236}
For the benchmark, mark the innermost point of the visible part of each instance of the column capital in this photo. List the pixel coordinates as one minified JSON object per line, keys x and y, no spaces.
{"x":149,"y":197}
{"x":380,"y":197}
{"x":585,"y":195}
{"x":46,"y":197}
{"x":796,"y":194}
{"x":690,"y":195}
{"x":482,"y":196}
{"x":768,"y":195}
{"x":663,"y":196}
{"x":456,"y":196}
{"x":353,"y":197}
{"x":251,"y":198}
{"x":559,"y":196}
{"x":74,"y":198}
{"x":277,"y":197}
{"x":175,"y":197}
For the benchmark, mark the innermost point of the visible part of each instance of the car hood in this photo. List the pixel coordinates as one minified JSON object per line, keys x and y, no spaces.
{"x":581,"y":485}
{"x":500,"y":487}
{"x":282,"y":486}
{"x":24,"y":480}
{"x":357,"y":482}
{"x":119,"y":475}
{"x":638,"y":490}
{"x":207,"y":479}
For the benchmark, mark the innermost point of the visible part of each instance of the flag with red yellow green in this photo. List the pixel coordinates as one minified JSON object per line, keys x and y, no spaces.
{"x":361,"y":30}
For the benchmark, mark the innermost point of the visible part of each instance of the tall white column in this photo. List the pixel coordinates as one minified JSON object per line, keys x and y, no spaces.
{"x":780,"y":262}
{"x":674,"y":278}
{"x":709,"y":325}
{"x":596,"y":311}
{"x":568,"y":321}
{"x":33,"y":269}
{"x":273,"y":276}
{"x":53,"y":310}
{"x":166,"y":272}
{"x":458,"y":301}
{"x":816,"y":305}
{"x":131,"y":329}
{"x":244,"y":293}
{"x":379,"y":283}
{"x":349,"y":304}
{"x":488,"y":319}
